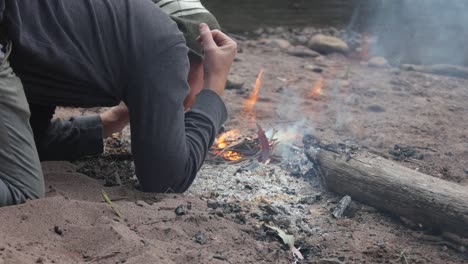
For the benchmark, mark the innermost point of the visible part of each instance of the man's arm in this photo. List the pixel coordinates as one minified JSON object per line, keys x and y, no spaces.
{"x":169,"y":145}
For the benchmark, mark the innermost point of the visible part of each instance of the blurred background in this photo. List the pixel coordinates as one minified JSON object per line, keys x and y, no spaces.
{"x":404,"y":31}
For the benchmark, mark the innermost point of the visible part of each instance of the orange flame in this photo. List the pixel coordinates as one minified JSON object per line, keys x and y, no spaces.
{"x":224,"y":141}
{"x":253,"y":97}
{"x":318,"y":88}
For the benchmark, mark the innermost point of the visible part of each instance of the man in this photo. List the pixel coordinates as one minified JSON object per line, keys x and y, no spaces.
{"x":97,"y":53}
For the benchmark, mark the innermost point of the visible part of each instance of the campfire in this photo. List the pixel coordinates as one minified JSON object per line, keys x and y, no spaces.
{"x":232,"y":147}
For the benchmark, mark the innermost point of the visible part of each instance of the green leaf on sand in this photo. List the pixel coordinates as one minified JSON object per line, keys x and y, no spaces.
{"x":108,"y":201}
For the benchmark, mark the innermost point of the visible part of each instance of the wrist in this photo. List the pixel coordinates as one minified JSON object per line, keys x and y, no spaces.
{"x":215,"y":84}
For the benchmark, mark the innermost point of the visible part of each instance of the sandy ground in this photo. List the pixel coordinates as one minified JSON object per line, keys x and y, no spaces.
{"x":226,"y":209}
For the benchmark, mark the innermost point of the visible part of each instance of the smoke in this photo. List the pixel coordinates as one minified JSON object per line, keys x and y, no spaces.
{"x":420,"y":31}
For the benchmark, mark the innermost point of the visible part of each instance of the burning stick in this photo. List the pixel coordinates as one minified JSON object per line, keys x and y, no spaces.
{"x":318,"y":88}
{"x":253,"y":97}
{"x":264,"y":144}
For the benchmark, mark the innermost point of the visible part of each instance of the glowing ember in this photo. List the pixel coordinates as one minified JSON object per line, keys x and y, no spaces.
{"x":223,"y":142}
{"x":317,"y":90}
{"x":253,"y":97}
{"x":230,"y":155}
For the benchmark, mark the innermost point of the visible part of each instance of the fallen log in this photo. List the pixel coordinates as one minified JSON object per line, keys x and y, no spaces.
{"x":393,"y":188}
{"x":438,"y":69}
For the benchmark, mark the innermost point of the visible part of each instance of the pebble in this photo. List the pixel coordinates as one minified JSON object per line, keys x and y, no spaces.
{"x":376,"y":109}
{"x":378,"y":62}
{"x":181,"y":210}
{"x":302,"y":51}
{"x":200,"y":238}
{"x":282,"y":221}
{"x":234,"y":82}
{"x":58,"y":230}
{"x":140,"y":203}
{"x":466,"y":170}
{"x":311,"y":199}
{"x":270,"y":209}
{"x":220,"y":257}
{"x":327,"y":44}
{"x":313,"y":68}
{"x":212,"y":204}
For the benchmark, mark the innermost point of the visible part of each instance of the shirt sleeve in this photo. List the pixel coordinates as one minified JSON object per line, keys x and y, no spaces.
{"x":170,"y":146}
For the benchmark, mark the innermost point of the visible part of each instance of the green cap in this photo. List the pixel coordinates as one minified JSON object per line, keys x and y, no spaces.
{"x":188,"y":14}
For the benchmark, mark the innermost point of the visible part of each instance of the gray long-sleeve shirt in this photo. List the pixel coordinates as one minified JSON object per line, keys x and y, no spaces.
{"x":96,"y":53}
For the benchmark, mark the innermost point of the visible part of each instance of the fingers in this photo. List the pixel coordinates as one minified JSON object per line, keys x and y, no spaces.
{"x":206,"y":37}
{"x":222,"y":39}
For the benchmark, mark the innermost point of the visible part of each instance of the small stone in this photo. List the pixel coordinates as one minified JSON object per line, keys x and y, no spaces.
{"x":256,"y":214}
{"x":465,"y":170}
{"x":40,"y":260}
{"x":311,"y":199}
{"x":181,"y":210}
{"x":259,"y":31}
{"x":313,"y":68}
{"x":220,"y":257}
{"x":279,"y":43}
{"x":219,"y":212}
{"x":376,"y":109}
{"x":378,"y":62}
{"x":327,"y":44}
{"x":271,"y":210}
{"x":282,"y":221}
{"x":200,"y":238}
{"x":301,"y":39}
{"x":58,"y":230}
{"x":213,"y":204}
{"x":140,"y":203}
{"x":302,"y":51}
{"x":234,"y":82}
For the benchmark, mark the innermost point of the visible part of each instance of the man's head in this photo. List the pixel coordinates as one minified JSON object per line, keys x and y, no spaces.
{"x":188,"y":14}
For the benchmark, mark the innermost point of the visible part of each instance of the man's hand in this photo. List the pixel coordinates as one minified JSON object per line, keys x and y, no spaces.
{"x":219,"y":51}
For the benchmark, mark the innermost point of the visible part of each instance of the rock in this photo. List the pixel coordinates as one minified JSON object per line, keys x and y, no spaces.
{"x":181,"y":210}
{"x":465,"y":170}
{"x":212,"y":204}
{"x":278,"y":43}
{"x":313,"y":68}
{"x":140,"y":203}
{"x":271,"y":210}
{"x":282,"y":221}
{"x":259,"y":31}
{"x":311,"y":199}
{"x":58,"y":230}
{"x":301,"y":39}
{"x":326,"y":44}
{"x":234,"y":82}
{"x":200,"y":238}
{"x":302,"y":51}
{"x":376,"y":109}
{"x":378,"y":62}
{"x":220,"y":257}
{"x":439,"y":69}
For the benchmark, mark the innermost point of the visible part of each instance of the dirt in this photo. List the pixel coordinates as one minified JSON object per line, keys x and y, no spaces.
{"x":418,"y":120}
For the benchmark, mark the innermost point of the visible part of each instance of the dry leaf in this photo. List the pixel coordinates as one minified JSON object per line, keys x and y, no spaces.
{"x":287,"y":240}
